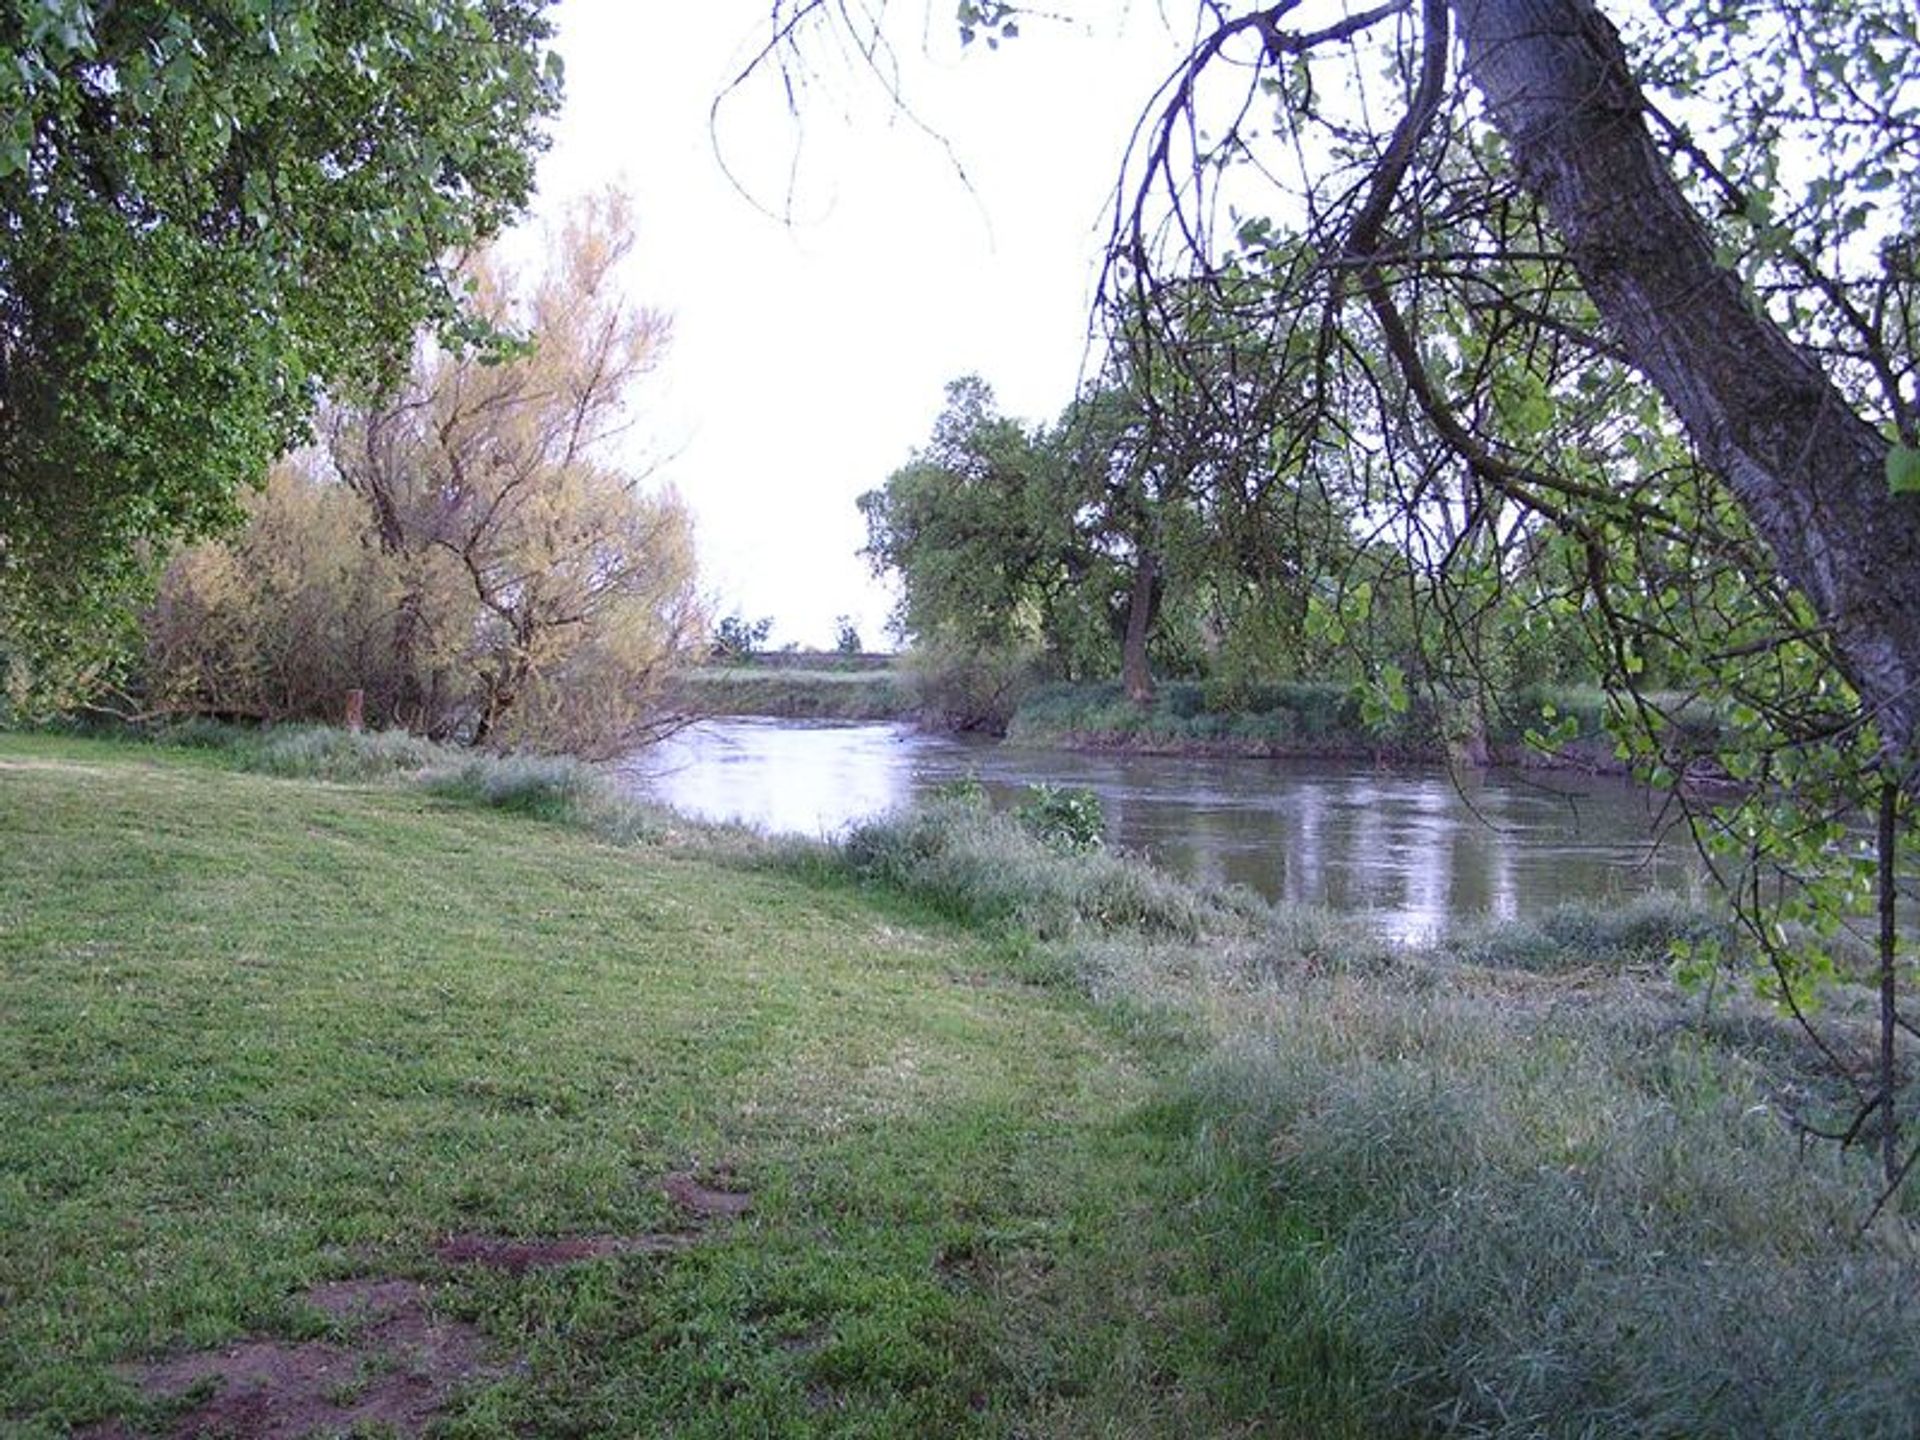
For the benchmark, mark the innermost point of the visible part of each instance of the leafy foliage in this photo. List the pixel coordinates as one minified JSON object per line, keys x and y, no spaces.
{"x":212,"y":210}
{"x":1064,"y":817}
{"x":1132,"y":535}
{"x":476,"y":563}
{"x":737,"y":638}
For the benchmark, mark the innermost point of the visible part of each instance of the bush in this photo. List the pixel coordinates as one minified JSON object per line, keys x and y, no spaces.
{"x":959,"y":687}
{"x":538,"y":601}
{"x":1063,"y":817}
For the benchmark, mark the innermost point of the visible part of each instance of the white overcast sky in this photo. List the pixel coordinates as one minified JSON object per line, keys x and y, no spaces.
{"x":809,"y":356}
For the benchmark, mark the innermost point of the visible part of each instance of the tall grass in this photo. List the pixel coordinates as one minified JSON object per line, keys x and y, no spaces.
{"x":1511,"y":1184}
{"x":1496,"y":1219}
{"x":557,"y":789}
{"x":1582,"y":934}
{"x":1322,"y":718}
{"x":1298,"y":718}
{"x":795,"y":694}
{"x":311,"y":752}
{"x":983,"y":868}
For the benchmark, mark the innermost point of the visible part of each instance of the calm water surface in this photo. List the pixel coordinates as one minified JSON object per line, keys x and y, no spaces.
{"x":1410,"y":847}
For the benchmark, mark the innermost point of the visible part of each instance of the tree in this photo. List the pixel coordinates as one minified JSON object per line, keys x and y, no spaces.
{"x":1561,"y":293}
{"x":503,"y":465}
{"x":527,"y":592}
{"x":737,"y":638}
{"x":1493,"y":280}
{"x":211,"y":211}
{"x":976,"y":528}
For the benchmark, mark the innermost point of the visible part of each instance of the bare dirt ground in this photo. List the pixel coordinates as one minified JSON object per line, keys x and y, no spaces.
{"x":395,"y":1360}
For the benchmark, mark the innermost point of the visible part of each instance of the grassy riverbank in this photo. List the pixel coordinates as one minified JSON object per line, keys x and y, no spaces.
{"x":935,"y":1132}
{"x":795,"y":693}
{"x":1302,"y":719}
{"x":1299,"y":719}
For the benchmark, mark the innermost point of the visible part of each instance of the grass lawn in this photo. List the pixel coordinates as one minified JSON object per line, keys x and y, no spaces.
{"x":262,"y":1034}
{"x":378,"y":1108}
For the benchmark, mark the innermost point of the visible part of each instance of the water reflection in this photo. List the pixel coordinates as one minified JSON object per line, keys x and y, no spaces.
{"x":1409,"y":847}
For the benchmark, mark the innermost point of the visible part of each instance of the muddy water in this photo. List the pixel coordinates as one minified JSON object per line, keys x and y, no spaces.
{"x":1410,"y":847}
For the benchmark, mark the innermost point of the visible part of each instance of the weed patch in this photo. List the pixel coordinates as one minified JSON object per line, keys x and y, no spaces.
{"x":991,"y":870}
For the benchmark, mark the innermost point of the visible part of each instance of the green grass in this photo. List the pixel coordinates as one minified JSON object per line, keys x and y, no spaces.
{"x":262,"y":1032}
{"x":1039,"y":1144}
{"x":1318,"y":718}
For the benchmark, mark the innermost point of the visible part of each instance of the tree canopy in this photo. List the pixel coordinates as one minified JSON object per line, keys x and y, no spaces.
{"x":210,"y":210}
{"x":478,"y":558}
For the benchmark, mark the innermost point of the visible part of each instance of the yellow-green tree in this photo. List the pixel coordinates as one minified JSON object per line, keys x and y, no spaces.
{"x":515,"y":584}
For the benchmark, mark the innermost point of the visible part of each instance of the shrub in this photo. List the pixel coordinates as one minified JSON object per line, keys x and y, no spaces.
{"x":1063,"y":817}
{"x":537,"y":601}
{"x":963,"y":687}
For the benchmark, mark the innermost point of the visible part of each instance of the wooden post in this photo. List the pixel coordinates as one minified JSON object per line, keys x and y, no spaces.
{"x":356,"y":710}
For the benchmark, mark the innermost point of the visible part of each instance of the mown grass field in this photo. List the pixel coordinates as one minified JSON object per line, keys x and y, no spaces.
{"x":263,"y":1032}
{"x":1024,"y":1143}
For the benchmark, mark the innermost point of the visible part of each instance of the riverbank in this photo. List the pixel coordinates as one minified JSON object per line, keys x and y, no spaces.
{"x":1297,"y":720}
{"x":807,"y":691}
{"x":933,"y":1131}
{"x":1308,"y":720}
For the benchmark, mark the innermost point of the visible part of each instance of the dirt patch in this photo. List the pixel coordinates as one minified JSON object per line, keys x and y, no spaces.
{"x":396,"y":1367}
{"x":497,"y":1252}
{"x":358,"y":1301}
{"x":399,"y":1368}
{"x":704,"y":1201}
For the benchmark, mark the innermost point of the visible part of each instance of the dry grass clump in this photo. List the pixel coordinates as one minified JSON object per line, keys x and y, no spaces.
{"x":983,"y":868}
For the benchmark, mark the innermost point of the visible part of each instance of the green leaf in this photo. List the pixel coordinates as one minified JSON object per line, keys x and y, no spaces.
{"x":1903,"y":471}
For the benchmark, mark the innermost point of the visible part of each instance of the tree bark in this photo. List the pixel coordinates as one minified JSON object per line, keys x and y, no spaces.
{"x":1141,"y":598}
{"x":1809,"y":472}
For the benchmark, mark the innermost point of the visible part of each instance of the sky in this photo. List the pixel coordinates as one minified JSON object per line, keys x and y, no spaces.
{"x":816,"y":323}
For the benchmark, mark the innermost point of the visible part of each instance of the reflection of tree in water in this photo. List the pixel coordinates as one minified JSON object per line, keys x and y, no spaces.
{"x":1404,"y":845}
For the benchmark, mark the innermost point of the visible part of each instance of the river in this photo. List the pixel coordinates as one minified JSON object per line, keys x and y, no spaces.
{"x":1412,"y":848}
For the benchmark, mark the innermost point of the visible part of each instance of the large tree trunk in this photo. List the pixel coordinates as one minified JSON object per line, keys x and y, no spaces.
{"x":1142,"y":601}
{"x":1808,"y":470}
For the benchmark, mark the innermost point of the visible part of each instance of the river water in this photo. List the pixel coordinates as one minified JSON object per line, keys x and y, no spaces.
{"x":1412,"y":848}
